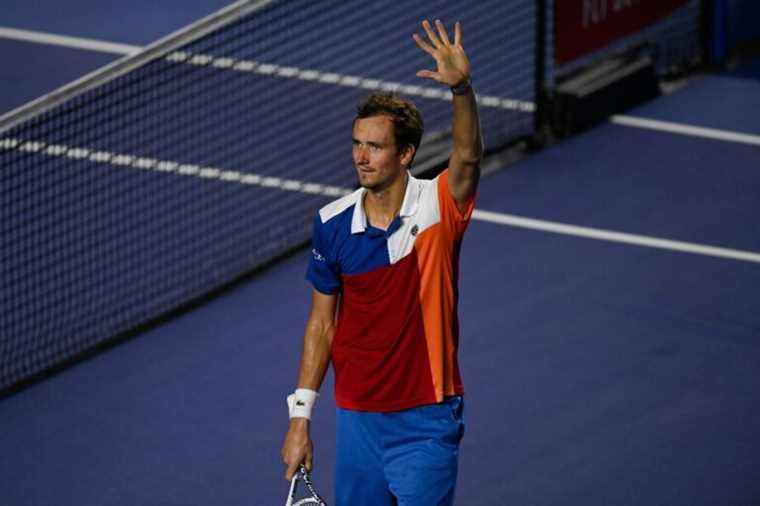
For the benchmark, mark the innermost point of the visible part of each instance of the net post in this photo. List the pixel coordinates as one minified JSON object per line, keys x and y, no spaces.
{"x":539,"y":118}
{"x":706,"y":27}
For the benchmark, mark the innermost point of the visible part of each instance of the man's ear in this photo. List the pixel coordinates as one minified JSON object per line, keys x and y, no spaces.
{"x":407,"y":155}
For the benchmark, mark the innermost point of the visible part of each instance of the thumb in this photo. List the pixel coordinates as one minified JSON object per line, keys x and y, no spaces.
{"x":308,"y":461}
{"x":429,"y":74}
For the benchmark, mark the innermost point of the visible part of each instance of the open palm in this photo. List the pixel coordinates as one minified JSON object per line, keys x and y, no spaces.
{"x":453,"y":66}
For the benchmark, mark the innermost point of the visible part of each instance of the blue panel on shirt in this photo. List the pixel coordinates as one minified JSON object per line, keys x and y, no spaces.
{"x":336,"y":251}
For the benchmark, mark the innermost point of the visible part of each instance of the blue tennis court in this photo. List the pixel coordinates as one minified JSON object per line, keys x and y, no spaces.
{"x":609,"y":306}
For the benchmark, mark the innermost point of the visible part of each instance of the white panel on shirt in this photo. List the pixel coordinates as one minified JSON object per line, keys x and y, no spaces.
{"x":428,"y":214}
{"x":337,"y":206}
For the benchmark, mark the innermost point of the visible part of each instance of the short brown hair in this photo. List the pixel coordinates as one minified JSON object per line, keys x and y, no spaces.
{"x":406,"y":118}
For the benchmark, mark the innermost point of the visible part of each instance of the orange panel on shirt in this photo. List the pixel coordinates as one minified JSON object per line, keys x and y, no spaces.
{"x":438,"y":250}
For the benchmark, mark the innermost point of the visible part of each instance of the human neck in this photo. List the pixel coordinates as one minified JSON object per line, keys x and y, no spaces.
{"x":382,"y":206}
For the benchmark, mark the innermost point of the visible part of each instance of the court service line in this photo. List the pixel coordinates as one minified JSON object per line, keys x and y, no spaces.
{"x":682,"y":129}
{"x":612,"y":236}
{"x":67,"y":41}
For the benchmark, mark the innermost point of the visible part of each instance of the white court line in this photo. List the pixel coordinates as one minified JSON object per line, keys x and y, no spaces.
{"x":680,"y":128}
{"x":67,"y":41}
{"x":167,"y":166}
{"x":230,"y":176}
{"x":611,"y":236}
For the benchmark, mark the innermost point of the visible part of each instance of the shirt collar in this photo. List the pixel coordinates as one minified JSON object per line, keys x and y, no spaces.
{"x":408,"y":207}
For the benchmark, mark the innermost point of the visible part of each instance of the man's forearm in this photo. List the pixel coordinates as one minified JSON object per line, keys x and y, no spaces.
{"x":316,"y":354}
{"x":314,"y":361}
{"x":453,"y":69}
{"x":315,"y":358}
{"x":468,"y":142}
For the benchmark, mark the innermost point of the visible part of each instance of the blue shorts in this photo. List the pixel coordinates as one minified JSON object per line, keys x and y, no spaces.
{"x":400,"y":458}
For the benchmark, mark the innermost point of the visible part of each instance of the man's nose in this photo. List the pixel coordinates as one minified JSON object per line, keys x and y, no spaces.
{"x":361,"y":154}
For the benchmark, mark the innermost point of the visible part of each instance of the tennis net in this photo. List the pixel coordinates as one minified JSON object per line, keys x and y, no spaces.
{"x":166,"y":175}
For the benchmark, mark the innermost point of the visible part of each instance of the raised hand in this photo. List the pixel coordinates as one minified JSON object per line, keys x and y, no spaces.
{"x":453,"y":66}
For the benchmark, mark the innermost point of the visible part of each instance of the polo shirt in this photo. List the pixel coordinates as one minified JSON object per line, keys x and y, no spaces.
{"x":397,"y":331}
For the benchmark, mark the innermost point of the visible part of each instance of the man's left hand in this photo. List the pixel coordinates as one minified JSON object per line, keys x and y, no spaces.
{"x":453,"y":65}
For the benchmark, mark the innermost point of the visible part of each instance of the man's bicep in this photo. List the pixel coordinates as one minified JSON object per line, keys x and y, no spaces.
{"x":323,"y":271}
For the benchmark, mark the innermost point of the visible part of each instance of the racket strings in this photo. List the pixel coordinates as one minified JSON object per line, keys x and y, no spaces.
{"x":315,"y":499}
{"x":309,"y":501}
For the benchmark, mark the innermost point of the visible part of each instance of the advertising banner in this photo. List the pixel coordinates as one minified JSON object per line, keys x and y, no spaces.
{"x":583,"y":26}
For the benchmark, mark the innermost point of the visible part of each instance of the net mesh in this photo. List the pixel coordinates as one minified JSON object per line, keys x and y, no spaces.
{"x":674,"y":43}
{"x":159,"y":185}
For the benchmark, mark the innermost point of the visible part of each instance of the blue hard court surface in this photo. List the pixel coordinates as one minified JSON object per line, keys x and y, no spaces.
{"x":596,"y":373}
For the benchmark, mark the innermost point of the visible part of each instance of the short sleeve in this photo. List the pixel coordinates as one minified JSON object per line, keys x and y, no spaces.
{"x":452,"y":217}
{"x":323,"y":272}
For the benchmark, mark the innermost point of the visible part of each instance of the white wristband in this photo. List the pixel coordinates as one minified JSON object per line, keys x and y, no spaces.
{"x":301,"y":402}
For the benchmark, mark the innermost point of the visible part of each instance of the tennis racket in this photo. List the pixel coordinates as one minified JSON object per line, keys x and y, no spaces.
{"x":314,"y":498}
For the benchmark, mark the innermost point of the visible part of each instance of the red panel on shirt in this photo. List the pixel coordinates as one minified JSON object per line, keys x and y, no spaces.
{"x":379,"y":353}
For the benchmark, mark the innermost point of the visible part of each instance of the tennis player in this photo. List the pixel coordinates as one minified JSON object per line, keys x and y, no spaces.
{"x":384,"y":270}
